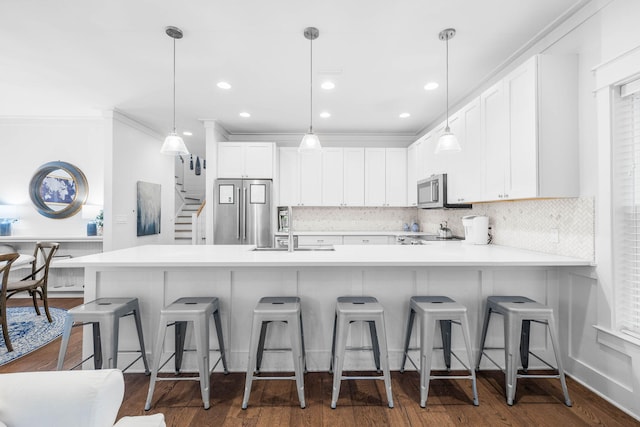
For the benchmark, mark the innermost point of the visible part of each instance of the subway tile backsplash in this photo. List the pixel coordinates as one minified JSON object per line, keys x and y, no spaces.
{"x":352,"y":219}
{"x":526,"y":224}
{"x":529,"y":224}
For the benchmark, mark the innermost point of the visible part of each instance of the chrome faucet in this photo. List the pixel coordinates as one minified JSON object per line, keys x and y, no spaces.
{"x":290,"y":244}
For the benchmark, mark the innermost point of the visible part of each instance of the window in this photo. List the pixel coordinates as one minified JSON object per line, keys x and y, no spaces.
{"x":626,"y":206}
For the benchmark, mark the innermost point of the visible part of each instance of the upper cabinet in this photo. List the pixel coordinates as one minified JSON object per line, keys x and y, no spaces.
{"x":465,"y":166}
{"x":245,"y":160}
{"x":416,"y":169}
{"x":299,"y":175}
{"x":385,"y":177}
{"x":343,"y":176}
{"x":529,"y":122}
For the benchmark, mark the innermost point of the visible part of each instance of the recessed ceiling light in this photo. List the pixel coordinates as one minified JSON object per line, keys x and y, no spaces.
{"x":431,"y":86}
{"x":187,"y":133}
{"x":325,"y":114}
{"x":245,"y":114}
{"x":224,"y":85}
{"x":404,"y":115}
{"x":328,"y":85}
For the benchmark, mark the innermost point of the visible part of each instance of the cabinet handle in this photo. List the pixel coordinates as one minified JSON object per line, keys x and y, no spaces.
{"x":365,"y":240}
{"x":320,"y":240}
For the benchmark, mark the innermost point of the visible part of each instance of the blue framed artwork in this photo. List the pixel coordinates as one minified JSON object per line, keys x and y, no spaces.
{"x":149,"y":204}
{"x":58,"y":189}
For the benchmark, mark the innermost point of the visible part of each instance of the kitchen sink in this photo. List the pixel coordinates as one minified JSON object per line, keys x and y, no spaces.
{"x":298,"y":249}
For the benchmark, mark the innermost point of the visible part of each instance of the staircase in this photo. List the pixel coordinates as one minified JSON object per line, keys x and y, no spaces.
{"x":189,"y":195}
{"x":183,"y":225}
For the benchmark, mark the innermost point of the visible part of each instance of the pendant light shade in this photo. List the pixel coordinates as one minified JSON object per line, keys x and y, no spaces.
{"x":310,"y":140}
{"x":173,"y":144}
{"x":447,"y":140}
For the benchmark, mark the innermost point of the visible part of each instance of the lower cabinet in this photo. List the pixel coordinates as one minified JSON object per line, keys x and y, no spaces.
{"x":319,"y":240}
{"x":368,"y":240}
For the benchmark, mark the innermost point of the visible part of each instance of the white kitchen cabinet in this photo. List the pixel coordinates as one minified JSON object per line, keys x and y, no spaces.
{"x":245,"y":160}
{"x":412,"y":173}
{"x":332,"y":176}
{"x":343,"y":176}
{"x":353,"y":176}
{"x":366,"y":240}
{"x":529,"y":123}
{"x":385,"y":177}
{"x":396,"y":176}
{"x":374,"y":177}
{"x":288,"y":177}
{"x":415,"y":169}
{"x":464,"y":168}
{"x":494,"y":136}
{"x":299,"y":176}
{"x":310,"y":178}
{"x":310,"y":240}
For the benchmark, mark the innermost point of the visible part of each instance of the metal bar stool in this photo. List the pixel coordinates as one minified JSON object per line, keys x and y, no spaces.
{"x":104,"y":315}
{"x":197,"y":311}
{"x":276,"y":309}
{"x":359,"y":309}
{"x":432,"y":309}
{"x":518,"y":313}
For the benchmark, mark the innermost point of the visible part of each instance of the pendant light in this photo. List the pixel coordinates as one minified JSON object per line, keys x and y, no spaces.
{"x":447,"y":140}
{"x":173,"y":144}
{"x":310,"y":140}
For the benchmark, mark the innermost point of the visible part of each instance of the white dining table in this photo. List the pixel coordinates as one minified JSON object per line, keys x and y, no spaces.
{"x":23,"y":261}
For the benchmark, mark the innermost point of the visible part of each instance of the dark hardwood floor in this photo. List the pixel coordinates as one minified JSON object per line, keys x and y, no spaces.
{"x":275,"y":403}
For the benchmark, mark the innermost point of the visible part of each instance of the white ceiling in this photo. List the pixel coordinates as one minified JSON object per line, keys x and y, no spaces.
{"x":78,"y":57}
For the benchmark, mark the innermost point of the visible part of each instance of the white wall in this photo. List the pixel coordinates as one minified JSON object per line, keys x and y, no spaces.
{"x":29,"y":143}
{"x":598,"y":355}
{"x":134,"y":155}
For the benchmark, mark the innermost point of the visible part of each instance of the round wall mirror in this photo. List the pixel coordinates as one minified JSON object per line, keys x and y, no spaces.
{"x":58,"y":190}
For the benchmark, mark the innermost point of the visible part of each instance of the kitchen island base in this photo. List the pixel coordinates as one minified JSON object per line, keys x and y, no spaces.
{"x":240,"y":288}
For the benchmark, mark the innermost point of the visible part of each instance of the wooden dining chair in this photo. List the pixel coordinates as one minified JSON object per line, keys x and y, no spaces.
{"x":36,"y":282}
{"x":5,"y":265}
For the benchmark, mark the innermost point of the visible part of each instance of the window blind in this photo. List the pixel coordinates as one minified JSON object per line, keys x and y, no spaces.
{"x":626,"y":207}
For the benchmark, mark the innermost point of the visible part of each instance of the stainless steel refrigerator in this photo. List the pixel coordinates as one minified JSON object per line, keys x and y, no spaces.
{"x":242,"y":212}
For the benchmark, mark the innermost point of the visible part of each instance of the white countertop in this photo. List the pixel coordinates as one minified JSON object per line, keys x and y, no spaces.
{"x":356,"y":233}
{"x":442,"y":254}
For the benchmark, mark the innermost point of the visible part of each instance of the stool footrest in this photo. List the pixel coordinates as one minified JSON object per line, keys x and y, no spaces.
{"x":290,"y":377}
{"x":278,"y":350}
{"x":362,"y":377}
{"x":538,"y":376}
{"x":450,"y":377}
{"x":178,"y":379}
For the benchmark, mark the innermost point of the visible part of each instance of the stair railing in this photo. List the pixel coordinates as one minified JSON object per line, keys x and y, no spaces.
{"x":198,"y":224}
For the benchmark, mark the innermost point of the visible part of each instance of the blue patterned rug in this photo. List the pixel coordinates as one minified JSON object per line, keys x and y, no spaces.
{"x":28,"y":331}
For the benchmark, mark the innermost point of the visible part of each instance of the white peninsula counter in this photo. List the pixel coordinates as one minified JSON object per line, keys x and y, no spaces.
{"x":239,"y":276}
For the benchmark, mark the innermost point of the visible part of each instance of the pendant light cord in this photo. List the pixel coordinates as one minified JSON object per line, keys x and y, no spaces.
{"x":311,"y":88}
{"x":447,"y":71}
{"x":174,"y":85}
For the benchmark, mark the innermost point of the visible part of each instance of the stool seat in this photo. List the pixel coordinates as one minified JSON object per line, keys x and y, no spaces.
{"x":276,"y":309}
{"x":518,"y":313}
{"x":104,"y":315}
{"x":351,"y":309}
{"x":184,"y":311}
{"x":445,"y":311}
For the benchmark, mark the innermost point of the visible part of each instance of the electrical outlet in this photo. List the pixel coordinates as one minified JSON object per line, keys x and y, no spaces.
{"x":554,"y":236}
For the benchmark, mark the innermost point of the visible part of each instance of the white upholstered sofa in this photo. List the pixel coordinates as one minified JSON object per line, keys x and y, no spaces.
{"x":66,"y":399}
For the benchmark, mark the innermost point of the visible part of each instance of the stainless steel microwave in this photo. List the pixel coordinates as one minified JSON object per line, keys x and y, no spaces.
{"x":432,"y":194}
